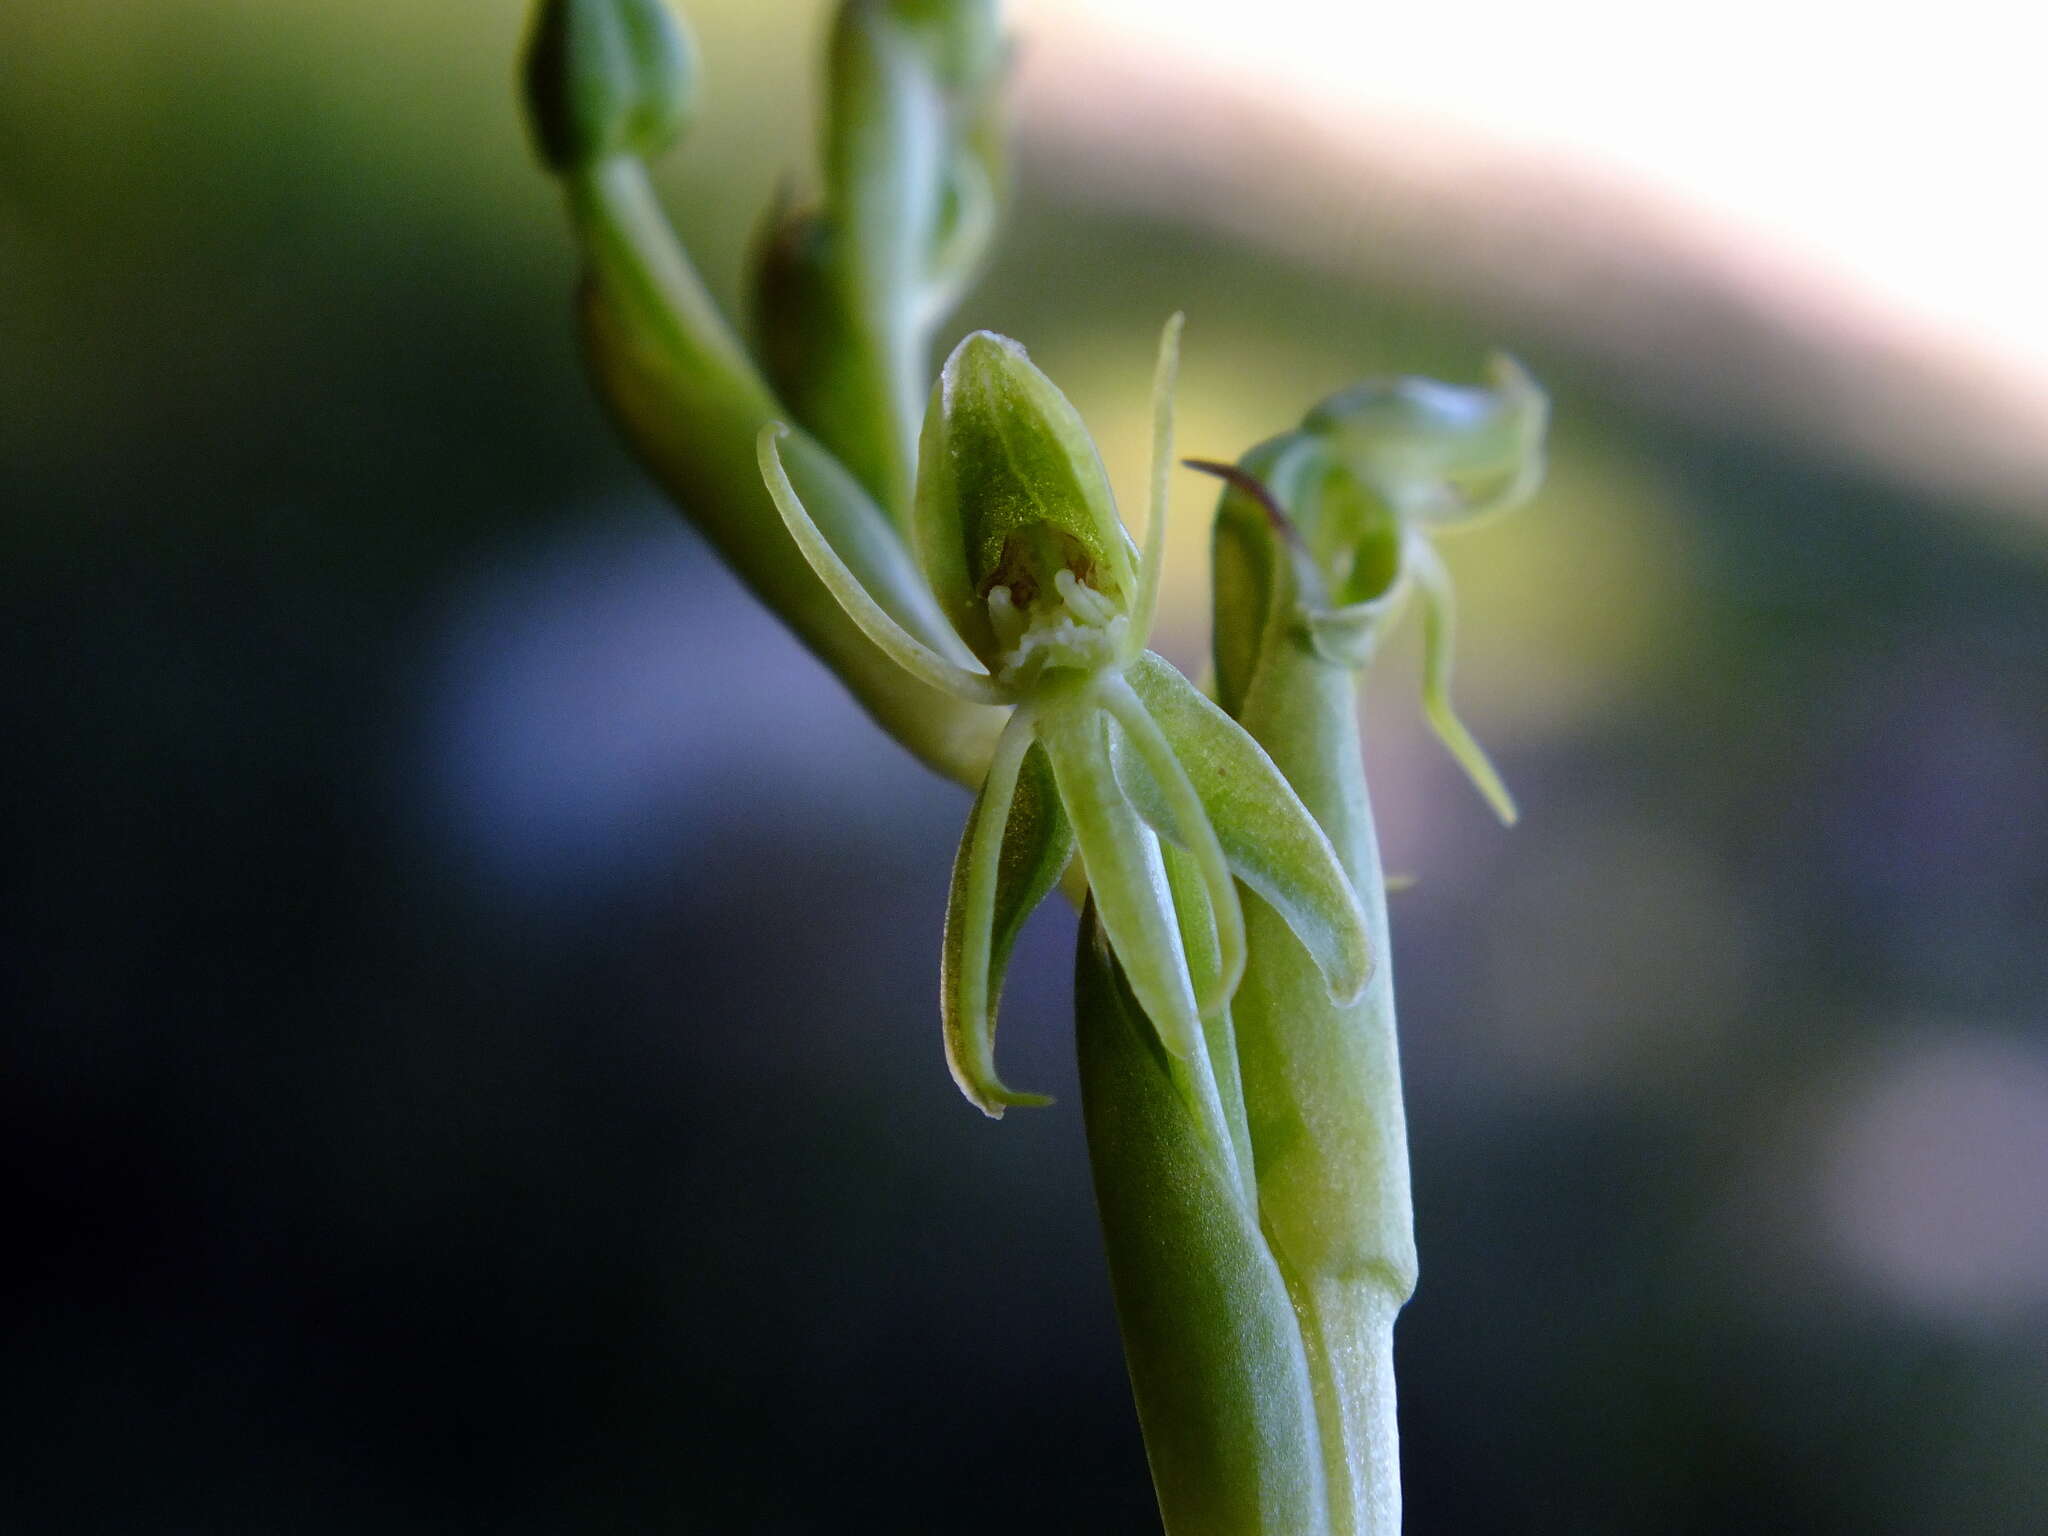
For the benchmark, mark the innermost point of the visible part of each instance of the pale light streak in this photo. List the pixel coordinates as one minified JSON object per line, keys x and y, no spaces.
{"x":1872,"y":171}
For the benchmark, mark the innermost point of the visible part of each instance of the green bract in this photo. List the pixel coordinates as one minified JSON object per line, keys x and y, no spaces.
{"x":1107,"y":747}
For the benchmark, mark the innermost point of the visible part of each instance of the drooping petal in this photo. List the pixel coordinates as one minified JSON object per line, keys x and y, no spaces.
{"x":1213,"y":1087}
{"x":1439,"y":614}
{"x":1273,"y":844}
{"x":1016,"y":843}
{"x":1121,"y":858}
{"x":1198,"y":837}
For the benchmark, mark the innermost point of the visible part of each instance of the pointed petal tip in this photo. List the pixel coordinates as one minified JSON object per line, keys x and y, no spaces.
{"x":1352,"y":969}
{"x":984,"y":350}
{"x":993,"y":1098}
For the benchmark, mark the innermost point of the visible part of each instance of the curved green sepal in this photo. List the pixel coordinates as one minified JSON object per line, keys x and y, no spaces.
{"x":992,"y":894}
{"x":1215,"y":1356}
{"x":875,"y":621}
{"x":1445,"y":453}
{"x":607,"y":77}
{"x":1273,"y":844}
{"x":1010,"y":491}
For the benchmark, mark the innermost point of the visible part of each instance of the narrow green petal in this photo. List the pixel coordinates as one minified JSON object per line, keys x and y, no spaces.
{"x":1164,"y":372}
{"x":1122,"y":861}
{"x":1273,"y":844}
{"x":1439,"y":616}
{"x":1016,"y":843}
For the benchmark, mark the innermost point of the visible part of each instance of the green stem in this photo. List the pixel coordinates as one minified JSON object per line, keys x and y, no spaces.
{"x":1209,"y":1331}
{"x":1321,"y":1079}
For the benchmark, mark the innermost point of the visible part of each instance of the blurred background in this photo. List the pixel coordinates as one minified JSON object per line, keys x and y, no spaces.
{"x":468,"y":1056}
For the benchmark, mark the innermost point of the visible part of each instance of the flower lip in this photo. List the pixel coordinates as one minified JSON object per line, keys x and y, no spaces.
{"x":1072,"y":628}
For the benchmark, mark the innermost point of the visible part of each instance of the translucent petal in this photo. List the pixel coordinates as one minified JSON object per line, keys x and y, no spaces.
{"x":1016,"y":843}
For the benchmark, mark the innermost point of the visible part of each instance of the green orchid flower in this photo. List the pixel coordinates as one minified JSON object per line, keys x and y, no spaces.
{"x":1370,"y":478}
{"x":1107,"y":748}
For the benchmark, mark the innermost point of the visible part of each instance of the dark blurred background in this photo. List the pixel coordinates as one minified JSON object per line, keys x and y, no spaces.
{"x":468,"y":1056}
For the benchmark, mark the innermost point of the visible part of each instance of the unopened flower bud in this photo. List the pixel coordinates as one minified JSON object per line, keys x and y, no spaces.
{"x":1011,"y":494}
{"x":608,"y":77}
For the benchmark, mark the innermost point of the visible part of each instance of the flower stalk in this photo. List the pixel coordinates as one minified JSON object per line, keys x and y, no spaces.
{"x":1319,"y":535}
{"x":954,"y":554}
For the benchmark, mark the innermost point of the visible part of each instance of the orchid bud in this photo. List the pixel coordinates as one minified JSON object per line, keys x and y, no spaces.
{"x":606,"y":78}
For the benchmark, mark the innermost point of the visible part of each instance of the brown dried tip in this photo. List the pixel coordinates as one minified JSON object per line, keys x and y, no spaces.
{"x":1244,"y":480}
